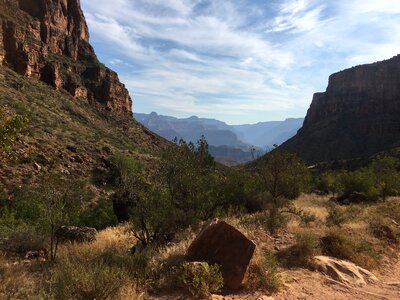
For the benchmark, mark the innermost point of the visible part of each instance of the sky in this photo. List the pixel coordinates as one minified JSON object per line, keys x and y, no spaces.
{"x":239,"y":61}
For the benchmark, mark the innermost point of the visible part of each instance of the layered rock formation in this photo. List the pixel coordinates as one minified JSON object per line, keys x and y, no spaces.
{"x":358,"y":115}
{"x":49,"y":40}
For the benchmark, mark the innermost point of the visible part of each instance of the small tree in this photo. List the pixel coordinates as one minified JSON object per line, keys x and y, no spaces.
{"x":192,"y":180}
{"x":387,"y":177}
{"x":330,"y":182}
{"x":283,"y":176}
{"x":150,"y":210}
{"x":12,"y":127}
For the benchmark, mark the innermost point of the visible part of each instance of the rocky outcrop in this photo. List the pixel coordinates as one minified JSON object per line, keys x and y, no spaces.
{"x":49,"y":40}
{"x":222,"y":244}
{"x":75,"y":234}
{"x":343,"y":271}
{"x":356,"y":116}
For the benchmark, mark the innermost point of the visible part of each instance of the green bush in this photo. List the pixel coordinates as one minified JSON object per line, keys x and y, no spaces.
{"x":383,"y":230}
{"x":336,"y":216}
{"x":99,"y":215}
{"x":200,"y":278}
{"x":339,"y":244}
{"x":362,"y":181}
{"x":267,"y":272}
{"x":283,"y":175}
{"x":307,"y":245}
{"x":386,"y":176}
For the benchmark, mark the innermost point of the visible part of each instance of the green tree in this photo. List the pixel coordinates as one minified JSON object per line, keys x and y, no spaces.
{"x":330,"y":182}
{"x":56,"y":202}
{"x":361,"y":181}
{"x":149,"y":208}
{"x":387,"y":177}
{"x":192,"y":180}
{"x":12,"y":127}
{"x":283,"y":176}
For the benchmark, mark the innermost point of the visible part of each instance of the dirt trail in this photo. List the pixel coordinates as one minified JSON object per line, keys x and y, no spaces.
{"x":308,"y":285}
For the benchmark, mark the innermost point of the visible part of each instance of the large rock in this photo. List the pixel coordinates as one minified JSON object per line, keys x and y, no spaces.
{"x":75,"y":234}
{"x":222,"y":244}
{"x":343,"y":271}
{"x":49,"y":40}
{"x":356,"y":116}
{"x":352,"y":198}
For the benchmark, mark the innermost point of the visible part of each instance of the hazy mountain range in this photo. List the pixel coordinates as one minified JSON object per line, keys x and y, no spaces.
{"x":229,"y":144}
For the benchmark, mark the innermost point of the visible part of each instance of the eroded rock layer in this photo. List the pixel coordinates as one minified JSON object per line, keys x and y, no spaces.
{"x":358,"y":115}
{"x":49,"y":40}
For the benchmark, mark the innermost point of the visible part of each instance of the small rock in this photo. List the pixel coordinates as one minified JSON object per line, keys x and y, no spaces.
{"x":37,"y":166}
{"x":72,"y":148}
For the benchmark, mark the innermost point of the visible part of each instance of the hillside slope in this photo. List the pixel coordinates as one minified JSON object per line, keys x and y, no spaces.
{"x":79,"y":111}
{"x":358,"y":115}
{"x":67,"y":135}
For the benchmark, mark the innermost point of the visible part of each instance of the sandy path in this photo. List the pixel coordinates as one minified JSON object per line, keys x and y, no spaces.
{"x":303,"y":284}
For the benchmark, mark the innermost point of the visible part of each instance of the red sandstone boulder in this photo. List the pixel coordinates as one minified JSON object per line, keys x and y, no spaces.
{"x":223,"y":244}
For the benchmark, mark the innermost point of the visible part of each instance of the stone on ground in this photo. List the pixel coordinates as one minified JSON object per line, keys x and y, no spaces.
{"x":343,"y":271}
{"x":222,"y":244}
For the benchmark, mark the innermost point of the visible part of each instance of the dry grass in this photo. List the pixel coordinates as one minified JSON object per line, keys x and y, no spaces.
{"x":314,"y":204}
{"x":20,"y":281}
{"x":155,"y":270}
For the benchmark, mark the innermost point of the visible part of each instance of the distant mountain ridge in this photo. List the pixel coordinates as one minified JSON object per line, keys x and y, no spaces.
{"x":266,"y":134}
{"x":228,"y":143}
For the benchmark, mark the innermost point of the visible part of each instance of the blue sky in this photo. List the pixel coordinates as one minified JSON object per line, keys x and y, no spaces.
{"x":240,"y":61}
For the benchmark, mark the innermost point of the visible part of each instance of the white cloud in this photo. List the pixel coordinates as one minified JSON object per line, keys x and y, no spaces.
{"x":232,"y":58}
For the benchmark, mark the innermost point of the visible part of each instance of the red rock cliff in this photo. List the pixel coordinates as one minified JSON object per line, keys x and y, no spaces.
{"x":49,"y":40}
{"x":358,"y":115}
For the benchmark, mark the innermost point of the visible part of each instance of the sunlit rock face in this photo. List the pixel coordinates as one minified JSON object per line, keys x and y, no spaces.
{"x":49,"y":40}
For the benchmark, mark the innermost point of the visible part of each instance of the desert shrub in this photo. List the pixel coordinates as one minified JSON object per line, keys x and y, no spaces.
{"x":12,"y":128}
{"x":94,"y":272}
{"x":200,"y":278}
{"x":341,"y":245}
{"x":329,"y":182}
{"x":18,"y":283}
{"x":362,"y":181}
{"x":282,"y":176}
{"x":188,"y":190}
{"x":306,"y":218}
{"x":307,"y":245}
{"x":383,"y":230}
{"x":239,"y":190}
{"x":16,"y":235}
{"x":382,"y":223}
{"x":21,"y":239}
{"x":336,"y":216}
{"x":193,"y":181}
{"x":275,"y":219}
{"x":263,"y":273}
{"x":99,"y":215}
{"x":74,"y":279}
{"x":386,"y":176}
{"x":391,"y":211}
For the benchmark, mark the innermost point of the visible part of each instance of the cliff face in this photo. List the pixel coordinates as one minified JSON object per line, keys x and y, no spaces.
{"x":358,"y":115}
{"x":49,"y":40}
